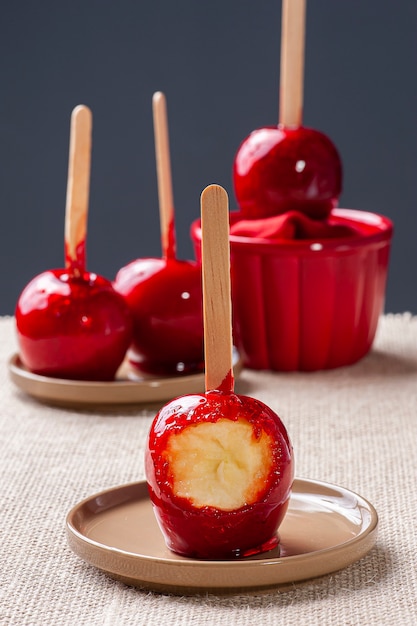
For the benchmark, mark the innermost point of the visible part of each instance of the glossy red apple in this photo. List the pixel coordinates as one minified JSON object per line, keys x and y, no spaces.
{"x":71,"y":323}
{"x":164,"y":294}
{"x":74,"y":327}
{"x":165,"y":298}
{"x":219,"y":468}
{"x":279,"y":169}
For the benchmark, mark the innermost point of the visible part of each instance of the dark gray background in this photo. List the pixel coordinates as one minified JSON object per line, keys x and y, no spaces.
{"x":218,"y":64}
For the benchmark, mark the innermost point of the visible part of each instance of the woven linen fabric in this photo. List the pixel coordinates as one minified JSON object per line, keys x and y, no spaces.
{"x":355,"y":427}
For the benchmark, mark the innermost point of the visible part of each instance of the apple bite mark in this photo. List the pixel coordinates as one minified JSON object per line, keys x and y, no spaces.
{"x":222,"y":464}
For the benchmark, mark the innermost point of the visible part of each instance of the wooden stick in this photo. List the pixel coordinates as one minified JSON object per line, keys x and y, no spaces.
{"x":78,"y":189}
{"x":163,"y":168}
{"x":218,"y":344}
{"x":292,"y":63}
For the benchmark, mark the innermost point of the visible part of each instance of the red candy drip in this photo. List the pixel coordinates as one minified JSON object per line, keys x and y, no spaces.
{"x":76,"y":265}
{"x":227,"y":384}
{"x":171,"y":247}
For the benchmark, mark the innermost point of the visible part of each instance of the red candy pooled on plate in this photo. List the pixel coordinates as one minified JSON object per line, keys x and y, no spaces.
{"x":164,"y":295}
{"x":219,"y":466}
{"x":71,"y":323}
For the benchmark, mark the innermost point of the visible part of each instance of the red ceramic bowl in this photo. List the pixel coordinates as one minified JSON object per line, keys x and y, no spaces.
{"x":305,"y":304}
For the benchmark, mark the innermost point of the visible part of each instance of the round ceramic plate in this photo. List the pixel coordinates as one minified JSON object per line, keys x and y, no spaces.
{"x":129,"y":387}
{"x":326,"y":528}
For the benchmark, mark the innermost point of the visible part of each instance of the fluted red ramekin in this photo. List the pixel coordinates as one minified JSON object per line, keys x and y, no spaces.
{"x":304,"y":304}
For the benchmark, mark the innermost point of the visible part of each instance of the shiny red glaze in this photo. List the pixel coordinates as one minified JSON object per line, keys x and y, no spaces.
{"x":72,"y":327}
{"x":207,"y":532}
{"x":280,"y":169}
{"x":306,"y":304}
{"x":165,"y":297}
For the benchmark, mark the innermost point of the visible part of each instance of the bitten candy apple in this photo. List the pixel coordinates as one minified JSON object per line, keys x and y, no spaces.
{"x":219,"y":468}
{"x":219,"y":465}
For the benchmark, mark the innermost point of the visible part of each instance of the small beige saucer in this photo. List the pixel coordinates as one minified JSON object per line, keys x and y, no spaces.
{"x":129,"y":387}
{"x":325,"y":529}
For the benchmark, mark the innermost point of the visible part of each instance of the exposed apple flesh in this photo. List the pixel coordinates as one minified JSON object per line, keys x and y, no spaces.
{"x":74,"y":327}
{"x":165,"y":298}
{"x":222,"y":464}
{"x":219,"y":468}
{"x":279,"y":169}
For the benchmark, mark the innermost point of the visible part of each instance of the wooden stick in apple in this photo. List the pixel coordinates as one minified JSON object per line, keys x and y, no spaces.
{"x":78,"y":189}
{"x":164,"y":176}
{"x":217,"y":308}
{"x":292,"y":62}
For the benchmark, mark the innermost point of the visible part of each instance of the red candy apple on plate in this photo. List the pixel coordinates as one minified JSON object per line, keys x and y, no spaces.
{"x":71,"y":323}
{"x":164,"y":294}
{"x":219,"y":465}
{"x":288,"y":167}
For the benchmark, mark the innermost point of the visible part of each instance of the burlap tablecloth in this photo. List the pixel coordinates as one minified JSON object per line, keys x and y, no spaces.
{"x":355,"y":427}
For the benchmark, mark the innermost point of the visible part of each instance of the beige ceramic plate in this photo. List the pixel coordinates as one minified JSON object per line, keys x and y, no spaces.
{"x":326,"y":529}
{"x":128,"y":388}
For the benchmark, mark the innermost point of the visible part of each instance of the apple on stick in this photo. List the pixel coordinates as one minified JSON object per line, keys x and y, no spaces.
{"x":164,"y":294}
{"x":288,"y":167}
{"x":219,"y":465}
{"x":71,"y":323}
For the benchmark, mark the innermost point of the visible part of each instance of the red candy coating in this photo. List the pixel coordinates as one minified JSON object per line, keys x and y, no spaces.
{"x":206,"y":531}
{"x":280,"y":169}
{"x":72,"y":327}
{"x":165,"y":297}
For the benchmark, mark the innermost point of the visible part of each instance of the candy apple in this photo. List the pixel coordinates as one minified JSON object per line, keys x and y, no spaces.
{"x":164,"y":294}
{"x":71,"y":323}
{"x":288,"y":167}
{"x":165,"y":298}
{"x":219,"y":469}
{"x":279,"y":169}
{"x":74,"y":327}
{"x":218,"y":465}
